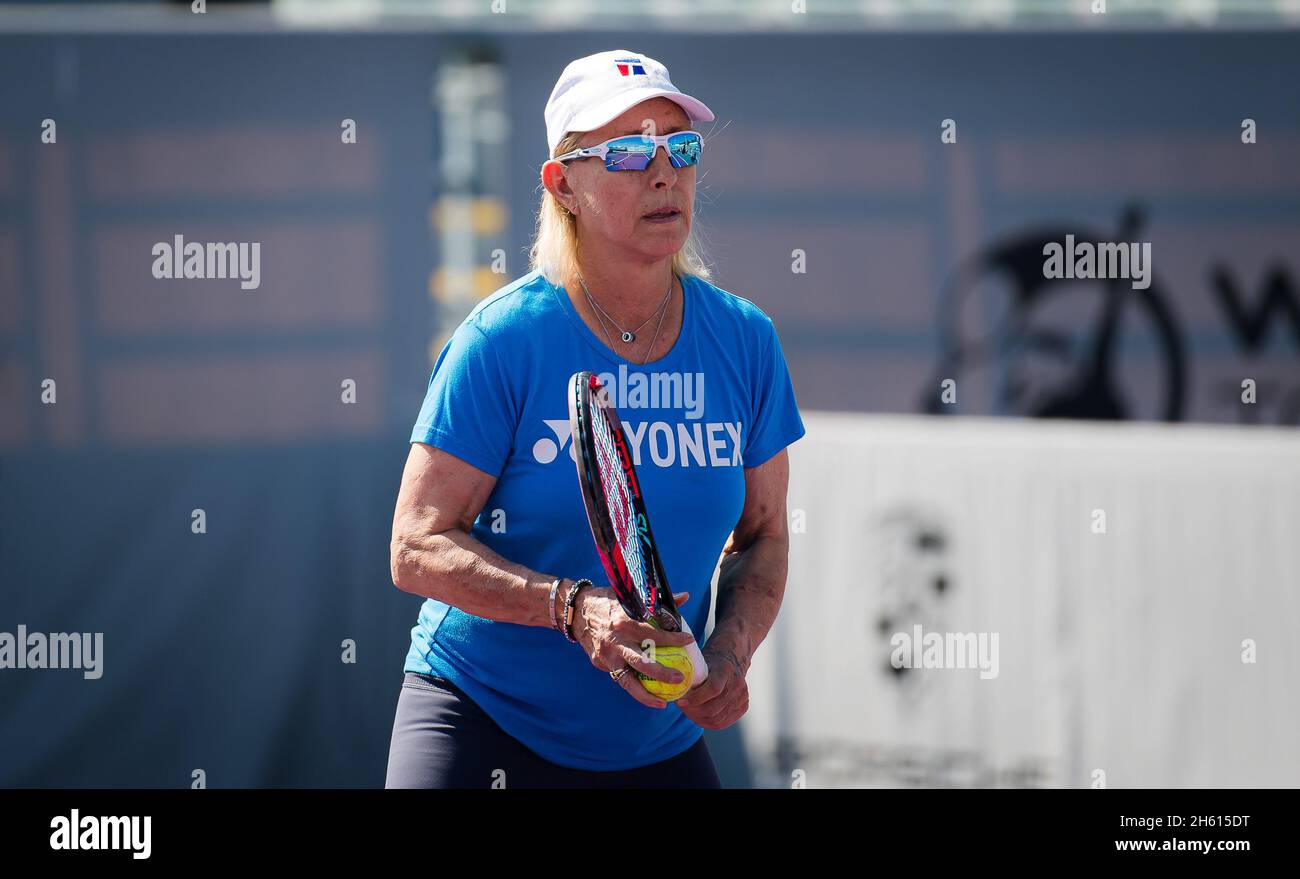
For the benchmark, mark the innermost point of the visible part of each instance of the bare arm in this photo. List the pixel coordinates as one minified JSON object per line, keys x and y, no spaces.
{"x":433,"y":555}
{"x":751,"y":579}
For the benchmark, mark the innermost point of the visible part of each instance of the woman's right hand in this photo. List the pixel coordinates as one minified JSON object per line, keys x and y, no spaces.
{"x":614,"y":640}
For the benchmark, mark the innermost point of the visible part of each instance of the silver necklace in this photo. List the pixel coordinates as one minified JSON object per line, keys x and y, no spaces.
{"x":628,"y":336}
{"x":663,"y":312}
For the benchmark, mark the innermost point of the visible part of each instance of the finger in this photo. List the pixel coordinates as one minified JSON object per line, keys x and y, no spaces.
{"x":715,"y":713}
{"x":660,"y":637}
{"x":702,"y":695}
{"x":706,"y":719}
{"x":726,"y":718}
{"x":634,"y":689}
{"x":718,"y":723}
{"x":605,"y":657}
{"x":721,"y":712}
{"x":611,"y":658}
{"x":644,"y":663}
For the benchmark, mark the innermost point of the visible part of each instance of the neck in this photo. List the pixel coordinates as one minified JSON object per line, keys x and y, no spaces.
{"x":629,"y":291}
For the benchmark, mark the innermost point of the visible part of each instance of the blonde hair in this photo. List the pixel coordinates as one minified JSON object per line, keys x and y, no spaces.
{"x":554,"y":251}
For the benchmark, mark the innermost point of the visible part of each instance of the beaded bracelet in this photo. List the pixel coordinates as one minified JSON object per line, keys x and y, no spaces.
{"x":568,"y":608}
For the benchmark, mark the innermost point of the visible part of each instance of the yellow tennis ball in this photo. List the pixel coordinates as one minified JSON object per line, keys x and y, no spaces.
{"x":675,"y":658}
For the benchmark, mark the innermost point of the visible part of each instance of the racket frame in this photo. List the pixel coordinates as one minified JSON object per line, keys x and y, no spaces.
{"x":585,"y":394}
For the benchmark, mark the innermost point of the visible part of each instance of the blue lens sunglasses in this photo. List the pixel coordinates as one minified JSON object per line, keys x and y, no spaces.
{"x":635,"y":152}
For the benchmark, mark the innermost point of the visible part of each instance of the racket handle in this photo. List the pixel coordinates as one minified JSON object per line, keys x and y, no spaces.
{"x":697,"y":658}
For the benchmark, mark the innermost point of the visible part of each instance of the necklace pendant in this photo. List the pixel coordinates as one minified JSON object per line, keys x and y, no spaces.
{"x":629,"y":336}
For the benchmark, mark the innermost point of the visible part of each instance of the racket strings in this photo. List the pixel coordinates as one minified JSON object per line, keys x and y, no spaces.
{"x":618,"y":499}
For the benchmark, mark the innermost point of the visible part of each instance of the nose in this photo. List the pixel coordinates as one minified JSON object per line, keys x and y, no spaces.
{"x":661,"y":169}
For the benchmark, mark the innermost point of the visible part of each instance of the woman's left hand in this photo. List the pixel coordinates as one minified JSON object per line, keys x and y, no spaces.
{"x":723,"y":698}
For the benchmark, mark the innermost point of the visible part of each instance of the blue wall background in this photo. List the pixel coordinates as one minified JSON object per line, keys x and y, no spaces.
{"x":222,"y":650}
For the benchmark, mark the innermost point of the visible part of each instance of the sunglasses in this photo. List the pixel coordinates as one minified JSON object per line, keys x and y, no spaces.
{"x":635,"y":152}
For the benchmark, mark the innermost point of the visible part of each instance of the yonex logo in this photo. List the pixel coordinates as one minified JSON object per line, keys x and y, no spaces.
{"x":661,"y":443}
{"x":545,"y":449}
{"x":629,"y":66}
{"x":693,"y":443}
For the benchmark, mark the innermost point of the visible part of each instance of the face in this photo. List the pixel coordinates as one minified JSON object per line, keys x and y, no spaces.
{"x":612,"y":207}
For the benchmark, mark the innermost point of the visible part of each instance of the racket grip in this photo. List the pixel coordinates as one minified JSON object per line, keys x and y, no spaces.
{"x":697,"y":658}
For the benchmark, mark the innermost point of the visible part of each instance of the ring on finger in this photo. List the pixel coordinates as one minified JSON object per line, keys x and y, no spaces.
{"x":620,"y":672}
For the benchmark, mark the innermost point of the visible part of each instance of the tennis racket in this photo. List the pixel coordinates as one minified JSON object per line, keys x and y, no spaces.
{"x":616,"y":511}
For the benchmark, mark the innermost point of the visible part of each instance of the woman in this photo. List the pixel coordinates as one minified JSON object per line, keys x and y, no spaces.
{"x":518,"y":670}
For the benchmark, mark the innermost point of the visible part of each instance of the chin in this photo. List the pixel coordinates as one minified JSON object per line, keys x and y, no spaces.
{"x":658,"y":247}
{"x":656,"y":253}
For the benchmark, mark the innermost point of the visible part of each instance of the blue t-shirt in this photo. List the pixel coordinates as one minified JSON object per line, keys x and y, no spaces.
{"x":720,"y":401}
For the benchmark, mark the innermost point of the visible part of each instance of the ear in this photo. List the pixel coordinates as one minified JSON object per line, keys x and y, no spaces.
{"x":556,"y":181}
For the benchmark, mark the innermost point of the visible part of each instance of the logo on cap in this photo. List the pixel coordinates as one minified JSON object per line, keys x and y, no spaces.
{"x":629,"y":66}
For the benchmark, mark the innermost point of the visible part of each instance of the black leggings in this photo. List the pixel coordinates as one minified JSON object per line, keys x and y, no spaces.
{"x":442,"y":739}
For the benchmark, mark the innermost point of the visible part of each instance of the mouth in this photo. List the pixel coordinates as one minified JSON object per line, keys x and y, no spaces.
{"x":662,"y":215}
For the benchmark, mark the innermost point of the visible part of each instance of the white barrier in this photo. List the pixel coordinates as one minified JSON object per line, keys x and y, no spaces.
{"x":1123,"y":571}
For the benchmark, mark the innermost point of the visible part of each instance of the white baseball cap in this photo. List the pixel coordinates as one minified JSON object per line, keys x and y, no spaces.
{"x":597,"y":89}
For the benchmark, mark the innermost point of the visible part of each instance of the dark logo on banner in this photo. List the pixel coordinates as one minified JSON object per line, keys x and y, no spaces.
{"x":1019,"y":343}
{"x":915,"y":577}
